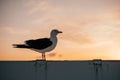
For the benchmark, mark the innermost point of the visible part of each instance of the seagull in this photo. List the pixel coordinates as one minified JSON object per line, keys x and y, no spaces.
{"x":42,"y":45}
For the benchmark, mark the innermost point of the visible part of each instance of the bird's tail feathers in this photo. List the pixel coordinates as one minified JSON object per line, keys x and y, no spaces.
{"x":20,"y":46}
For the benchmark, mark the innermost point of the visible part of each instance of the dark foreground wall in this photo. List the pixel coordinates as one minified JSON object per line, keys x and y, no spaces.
{"x":60,"y":70}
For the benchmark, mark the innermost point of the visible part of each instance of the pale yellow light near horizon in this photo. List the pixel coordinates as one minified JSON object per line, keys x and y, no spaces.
{"x":91,"y":28}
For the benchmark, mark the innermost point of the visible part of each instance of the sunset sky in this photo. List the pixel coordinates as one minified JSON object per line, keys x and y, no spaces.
{"x":91,"y":28}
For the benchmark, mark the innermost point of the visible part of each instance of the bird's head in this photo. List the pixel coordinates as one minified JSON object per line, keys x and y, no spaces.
{"x":55,"y":32}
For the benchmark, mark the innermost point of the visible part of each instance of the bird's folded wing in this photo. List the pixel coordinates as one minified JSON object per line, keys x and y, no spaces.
{"x":39,"y":43}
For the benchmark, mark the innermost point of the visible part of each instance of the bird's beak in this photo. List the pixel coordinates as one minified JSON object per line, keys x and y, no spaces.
{"x":60,"y":32}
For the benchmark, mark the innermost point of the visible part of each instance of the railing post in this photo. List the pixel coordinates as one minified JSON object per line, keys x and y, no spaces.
{"x":41,"y":70}
{"x":97,"y":63}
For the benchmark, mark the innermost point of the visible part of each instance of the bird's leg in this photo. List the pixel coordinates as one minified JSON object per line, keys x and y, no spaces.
{"x":43,"y":56}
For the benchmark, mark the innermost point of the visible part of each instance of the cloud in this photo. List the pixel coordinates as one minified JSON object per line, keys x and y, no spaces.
{"x":38,"y":6}
{"x":13,"y":31}
{"x":60,"y":55}
{"x":51,"y":54}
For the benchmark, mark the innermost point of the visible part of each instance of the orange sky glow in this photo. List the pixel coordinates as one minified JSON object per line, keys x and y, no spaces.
{"x":91,"y":28}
